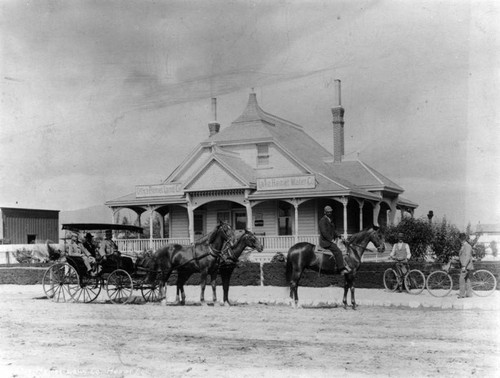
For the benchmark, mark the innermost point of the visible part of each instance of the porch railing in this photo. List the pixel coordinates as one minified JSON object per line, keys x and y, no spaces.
{"x":270,"y":243}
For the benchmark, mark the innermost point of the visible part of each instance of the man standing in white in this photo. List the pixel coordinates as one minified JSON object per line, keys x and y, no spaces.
{"x":401,"y":253}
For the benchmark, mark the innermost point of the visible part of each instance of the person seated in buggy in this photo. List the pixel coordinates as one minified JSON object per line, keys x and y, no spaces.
{"x":89,"y":244}
{"x":76,"y":249}
{"x":108,"y":247}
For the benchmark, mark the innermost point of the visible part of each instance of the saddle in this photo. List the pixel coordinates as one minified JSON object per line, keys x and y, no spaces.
{"x":326,"y":252}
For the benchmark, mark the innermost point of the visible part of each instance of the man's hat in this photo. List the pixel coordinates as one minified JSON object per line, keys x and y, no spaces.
{"x":108,"y":233}
{"x":328,"y":209}
{"x":89,"y":235}
{"x":401,"y":235}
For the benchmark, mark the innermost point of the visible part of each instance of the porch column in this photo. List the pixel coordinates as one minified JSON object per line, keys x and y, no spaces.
{"x":296,"y":220}
{"x":114,"y":218}
{"x":151,"y":218}
{"x":402,"y":213}
{"x":190,"y":211}
{"x":248,"y":207}
{"x":361,"y":204}
{"x":162,"y":226}
{"x":344,"y":202}
{"x":376,"y":211}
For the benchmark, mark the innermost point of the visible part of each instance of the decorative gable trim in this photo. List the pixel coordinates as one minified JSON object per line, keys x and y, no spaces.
{"x":231,"y":181}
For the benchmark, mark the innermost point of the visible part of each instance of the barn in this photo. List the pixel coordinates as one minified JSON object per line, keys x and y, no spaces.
{"x":266,"y":174}
{"x":26,"y":226}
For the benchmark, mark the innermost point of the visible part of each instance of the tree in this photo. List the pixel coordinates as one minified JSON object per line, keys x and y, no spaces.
{"x":445,"y":242}
{"x":418,"y":234}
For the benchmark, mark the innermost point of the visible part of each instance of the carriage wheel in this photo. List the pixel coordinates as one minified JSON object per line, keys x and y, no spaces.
{"x":151,"y":291}
{"x":439,"y":283}
{"x":414,"y":282}
{"x":88,"y":290}
{"x":119,"y":286}
{"x":483,"y":283}
{"x":59,"y":282}
{"x":390,"y":280}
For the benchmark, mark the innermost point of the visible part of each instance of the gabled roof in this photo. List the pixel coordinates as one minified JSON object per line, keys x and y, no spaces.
{"x":364,"y":176}
{"x":232,"y":172}
{"x":255,"y":124}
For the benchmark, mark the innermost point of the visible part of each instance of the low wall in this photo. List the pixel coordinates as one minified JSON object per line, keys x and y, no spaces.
{"x":262,"y":274}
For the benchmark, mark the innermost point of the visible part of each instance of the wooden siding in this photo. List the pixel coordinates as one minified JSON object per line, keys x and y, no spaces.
{"x":179,"y":223}
{"x":307,"y":219}
{"x":279,"y":165}
{"x":19,"y":223}
{"x":268,"y":210}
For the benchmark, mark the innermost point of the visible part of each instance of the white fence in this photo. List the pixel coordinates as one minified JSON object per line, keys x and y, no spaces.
{"x":272,"y":245}
{"x":8,"y":252}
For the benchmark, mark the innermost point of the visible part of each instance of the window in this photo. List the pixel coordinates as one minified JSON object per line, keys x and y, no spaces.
{"x":240,"y":220}
{"x":262,"y":155}
{"x":199,"y":225}
{"x":224,"y":216}
{"x":284,"y":219}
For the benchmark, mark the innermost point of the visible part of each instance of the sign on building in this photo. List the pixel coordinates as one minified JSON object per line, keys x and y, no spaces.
{"x":290,"y":182}
{"x":161,"y":190}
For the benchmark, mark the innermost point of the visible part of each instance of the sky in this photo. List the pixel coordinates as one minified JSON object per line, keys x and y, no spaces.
{"x":100,"y":96}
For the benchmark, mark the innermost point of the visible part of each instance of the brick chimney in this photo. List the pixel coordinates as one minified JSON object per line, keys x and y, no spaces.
{"x":338,"y":126}
{"x":214,"y":126}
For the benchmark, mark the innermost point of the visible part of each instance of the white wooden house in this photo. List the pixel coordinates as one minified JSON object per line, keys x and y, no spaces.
{"x":267,"y":174}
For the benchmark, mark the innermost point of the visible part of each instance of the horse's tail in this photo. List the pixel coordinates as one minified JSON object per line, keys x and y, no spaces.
{"x":53,"y":254}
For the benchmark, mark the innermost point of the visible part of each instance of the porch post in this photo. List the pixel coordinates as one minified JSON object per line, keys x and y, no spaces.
{"x":190,"y":211}
{"x":162,"y":226}
{"x":344,"y":202}
{"x":361,"y":205}
{"x":376,"y":211}
{"x":151,"y":209}
{"x":249,"y":216}
{"x":248,"y":207}
{"x":296,"y":220}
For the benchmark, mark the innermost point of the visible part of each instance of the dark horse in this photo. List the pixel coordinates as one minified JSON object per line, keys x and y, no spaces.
{"x":303,"y":255}
{"x":202,"y":257}
{"x":226,"y":268}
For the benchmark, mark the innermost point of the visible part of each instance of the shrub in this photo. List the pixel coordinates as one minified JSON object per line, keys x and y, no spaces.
{"x":445,"y":242}
{"x":418,"y":234}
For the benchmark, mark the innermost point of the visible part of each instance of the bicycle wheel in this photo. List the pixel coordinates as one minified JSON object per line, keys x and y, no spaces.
{"x":414,"y":282}
{"x":439,"y":283}
{"x":483,"y":283}
{"x":390,"y":280}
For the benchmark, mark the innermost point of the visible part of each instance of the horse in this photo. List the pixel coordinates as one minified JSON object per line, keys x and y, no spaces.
{"x":226,"y":268}
{"x":202,"y":257}
{"x":302,"y":255}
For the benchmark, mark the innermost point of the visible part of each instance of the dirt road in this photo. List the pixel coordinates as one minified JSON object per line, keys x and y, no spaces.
{"x":44,"y":339}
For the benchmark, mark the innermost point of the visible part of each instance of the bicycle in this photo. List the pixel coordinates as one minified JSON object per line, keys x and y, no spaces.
{"x":439,"y":283}
{"x":414,"y":280}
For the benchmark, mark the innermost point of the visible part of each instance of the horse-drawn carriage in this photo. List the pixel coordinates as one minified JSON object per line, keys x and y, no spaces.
{"x":68,"y":279}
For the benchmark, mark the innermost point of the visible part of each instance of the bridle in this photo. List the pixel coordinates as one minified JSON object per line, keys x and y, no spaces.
{"x":349,"y":244}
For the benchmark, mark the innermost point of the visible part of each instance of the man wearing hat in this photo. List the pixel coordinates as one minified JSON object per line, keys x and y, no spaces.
{"x":108,"y":246}
{"x":327,"y":237}
{"x":75,"y":248}
{"x":401,"y":253}
{"x":465,"y":256}
{"x":89,"y":245}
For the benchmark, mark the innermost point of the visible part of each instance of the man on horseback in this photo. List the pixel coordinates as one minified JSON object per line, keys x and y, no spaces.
{"x":327,"y":238}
